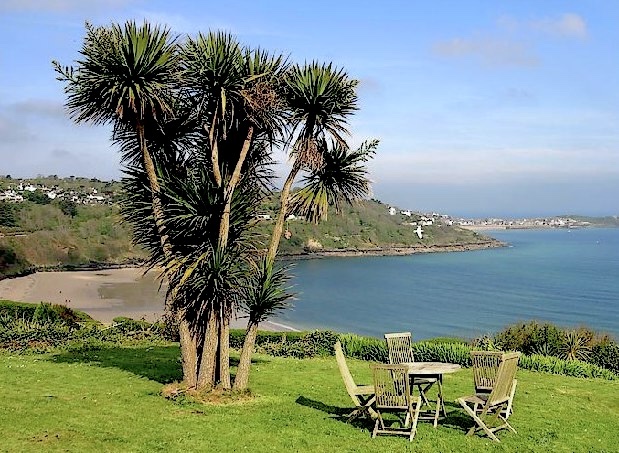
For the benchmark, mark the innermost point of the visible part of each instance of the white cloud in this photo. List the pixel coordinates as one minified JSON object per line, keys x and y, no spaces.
{"x":568,"y":25}
{"x":490,"y":51}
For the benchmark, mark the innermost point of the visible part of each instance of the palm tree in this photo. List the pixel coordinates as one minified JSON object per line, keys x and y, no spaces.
{"x":126,"y":77}
{"x":236,"y":89}
{"x":263,"y":294}
{"x":320,"y":98}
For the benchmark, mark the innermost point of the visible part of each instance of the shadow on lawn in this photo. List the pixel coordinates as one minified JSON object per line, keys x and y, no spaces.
{"x":336,"y":412}
{"x":455,"y":419}
{"x":157,"y":363}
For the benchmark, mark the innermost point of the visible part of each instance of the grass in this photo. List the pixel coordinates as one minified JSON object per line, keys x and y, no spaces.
{"x":109,"y":400}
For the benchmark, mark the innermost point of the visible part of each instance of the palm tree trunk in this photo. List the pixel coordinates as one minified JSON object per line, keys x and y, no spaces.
{"x":224,"y":351}
{"x":153,"y":181}
{"x":224,"y":226}
{"x":278,"y":229}
{"x":242,"y":373}
{"x":189,"y":351}
{"x":208,"y":362}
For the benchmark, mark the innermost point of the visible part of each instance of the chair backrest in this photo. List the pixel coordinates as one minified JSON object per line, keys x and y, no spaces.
{"x":349,"y":382}
{"x":504,"y":379}
{"x":485,"y":368}
{"x":391,"y":386}
{"x":400,"y":347}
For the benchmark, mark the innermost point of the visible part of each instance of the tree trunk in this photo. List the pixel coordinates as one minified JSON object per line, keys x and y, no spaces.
{"x":206,"y":372}
{"x":278,"y":229}
{"x":189,"y":351}
{"x":153,"y":181}
{"x":224,"y":351}
{"x":242,"y":373}
{"x":224,"y":225}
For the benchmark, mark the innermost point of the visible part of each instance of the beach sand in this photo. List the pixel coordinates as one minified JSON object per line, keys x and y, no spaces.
{"x":103,"y":294}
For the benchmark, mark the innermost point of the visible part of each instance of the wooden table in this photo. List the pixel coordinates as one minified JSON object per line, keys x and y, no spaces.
{"x":433,"y":370}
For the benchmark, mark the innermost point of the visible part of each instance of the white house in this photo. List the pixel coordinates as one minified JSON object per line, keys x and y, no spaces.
{"x":393,"y":211}
{"x":407,"y":213}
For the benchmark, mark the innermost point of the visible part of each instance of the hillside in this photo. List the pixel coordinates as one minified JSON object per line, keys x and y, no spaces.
{"x":368,"y":226}
{"x":44,"y":232}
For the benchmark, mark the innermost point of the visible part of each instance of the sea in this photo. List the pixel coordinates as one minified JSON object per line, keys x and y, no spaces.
{"x":569,"y":277}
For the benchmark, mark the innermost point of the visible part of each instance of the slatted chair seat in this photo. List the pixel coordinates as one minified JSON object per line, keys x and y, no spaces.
{"x":487,"y":409}
{"x":393,"y":394}
{"x":362,"y":395}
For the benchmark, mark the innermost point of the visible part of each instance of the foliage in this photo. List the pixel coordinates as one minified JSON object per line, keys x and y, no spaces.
{"x":37,"y":197}
{"x":44,"y":313}
{"x":8,"y":217}
{"x":555,"y":365}
{"x":606,"y":355}
{"x":11,"y":263}
{"x":575,"y":346}
{"x":68,"y":207}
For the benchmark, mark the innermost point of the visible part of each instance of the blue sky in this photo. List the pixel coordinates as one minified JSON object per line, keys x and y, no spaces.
{"x":482,"y":108}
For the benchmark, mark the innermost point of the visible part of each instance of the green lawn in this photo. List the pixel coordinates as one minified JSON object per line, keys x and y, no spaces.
{"x":108,"y":400}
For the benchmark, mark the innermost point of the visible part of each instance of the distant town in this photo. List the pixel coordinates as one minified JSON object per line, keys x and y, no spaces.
{"x":93,"y":191}
{"x":434,"y":218}
{"x":81,"y":192}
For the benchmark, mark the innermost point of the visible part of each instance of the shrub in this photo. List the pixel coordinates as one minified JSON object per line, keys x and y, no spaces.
{"x":364,"y":348}
{"x":554,"y":365}
{"x":606,"y":355}
{"x":45,"y":313}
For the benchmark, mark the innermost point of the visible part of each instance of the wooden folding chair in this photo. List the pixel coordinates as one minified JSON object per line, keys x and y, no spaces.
{"x":393,"y":394}
{"x":486,"y":408}
{"x":400,"y":348}
{"x":485,"y":368}
{"x":361,"y":395}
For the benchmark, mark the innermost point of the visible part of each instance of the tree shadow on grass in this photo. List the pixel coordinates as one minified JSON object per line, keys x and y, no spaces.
{"x":336,"y":412}
{"x":157,"y":363}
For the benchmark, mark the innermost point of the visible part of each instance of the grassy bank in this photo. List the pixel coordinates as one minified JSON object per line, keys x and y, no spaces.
{"x":108,"y":400}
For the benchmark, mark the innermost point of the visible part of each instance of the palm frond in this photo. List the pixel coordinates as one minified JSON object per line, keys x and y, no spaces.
{"x":342,"y":178}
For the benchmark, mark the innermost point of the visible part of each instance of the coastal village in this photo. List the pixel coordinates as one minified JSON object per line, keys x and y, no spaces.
{"x":20,"y":190}
{"x":79,"y":191}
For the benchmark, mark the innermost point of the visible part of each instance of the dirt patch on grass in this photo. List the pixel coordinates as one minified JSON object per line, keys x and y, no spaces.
{"x":179,"y":392}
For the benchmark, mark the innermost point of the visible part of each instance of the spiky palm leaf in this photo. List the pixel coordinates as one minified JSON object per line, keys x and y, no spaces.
{"x":265,"y":292}
{"x":342,"y":178}
{"x":126,"y":72}
{"x":320,"y":98}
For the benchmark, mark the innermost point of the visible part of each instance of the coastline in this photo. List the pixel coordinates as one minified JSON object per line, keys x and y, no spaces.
{"x":106,"y":291}
{"x":396,"y":251}
{"x":103,"y":294}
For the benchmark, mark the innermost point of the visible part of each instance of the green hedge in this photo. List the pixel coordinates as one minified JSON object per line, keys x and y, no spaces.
{"x":23,"y":310}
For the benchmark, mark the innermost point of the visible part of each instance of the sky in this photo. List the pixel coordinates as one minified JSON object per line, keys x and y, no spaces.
{"x":482,"y":109}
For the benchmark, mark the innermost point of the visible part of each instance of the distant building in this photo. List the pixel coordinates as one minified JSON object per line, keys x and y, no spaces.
{"x":393,"y":211}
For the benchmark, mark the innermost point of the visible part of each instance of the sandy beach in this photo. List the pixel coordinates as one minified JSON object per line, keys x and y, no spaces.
{"x":103,"y":294}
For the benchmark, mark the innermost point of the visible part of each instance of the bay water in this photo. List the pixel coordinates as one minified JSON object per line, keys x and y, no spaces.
{"x":567,"y":277}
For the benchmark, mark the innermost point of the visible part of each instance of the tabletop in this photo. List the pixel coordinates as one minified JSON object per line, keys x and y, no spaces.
{"x":431,"y":368}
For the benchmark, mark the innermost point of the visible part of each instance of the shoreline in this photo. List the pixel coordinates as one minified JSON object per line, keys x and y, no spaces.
{"x":396,"y":251}
{"x":104,"y":294}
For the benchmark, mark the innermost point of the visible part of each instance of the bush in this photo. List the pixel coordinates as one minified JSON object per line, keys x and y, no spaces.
{"x":606,"y":355}
{"x":555,"y":365}
{"x":45,"y":313}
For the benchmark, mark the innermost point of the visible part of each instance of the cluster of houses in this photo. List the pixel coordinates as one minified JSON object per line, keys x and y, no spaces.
{"x":553,"y":222}
{"x":422,"y":219}
{"x":18,"y":193}
{"x":444,"y":219}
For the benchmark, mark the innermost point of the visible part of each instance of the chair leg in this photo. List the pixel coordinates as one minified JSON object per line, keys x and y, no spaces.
{"x":480,"y":423}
